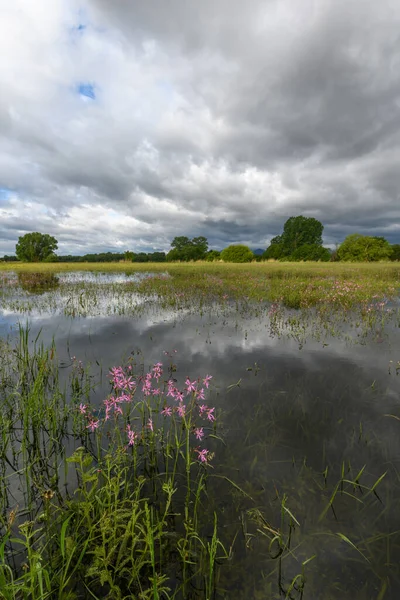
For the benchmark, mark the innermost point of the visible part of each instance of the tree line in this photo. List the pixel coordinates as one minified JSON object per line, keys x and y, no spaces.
{"x":300,"y":240}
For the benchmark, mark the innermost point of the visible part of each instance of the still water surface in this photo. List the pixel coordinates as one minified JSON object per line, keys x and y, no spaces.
{"x":295,"y":422}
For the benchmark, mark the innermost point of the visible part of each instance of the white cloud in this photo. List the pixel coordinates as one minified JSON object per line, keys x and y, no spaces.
{"x":214,"y":119}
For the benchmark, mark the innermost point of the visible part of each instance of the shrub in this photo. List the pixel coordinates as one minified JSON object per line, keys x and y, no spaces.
{"x":237,"y":254}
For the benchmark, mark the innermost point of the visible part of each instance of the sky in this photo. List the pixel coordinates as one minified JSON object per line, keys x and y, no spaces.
{"x":125,"y":123}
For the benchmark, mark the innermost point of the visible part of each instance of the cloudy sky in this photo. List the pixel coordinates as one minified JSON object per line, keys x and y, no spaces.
{"x":124,"y":123}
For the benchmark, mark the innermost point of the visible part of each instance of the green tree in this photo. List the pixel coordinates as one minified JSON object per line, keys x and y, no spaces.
{"x":310,"y":252}
{"x":395,"y":252}
{"x":173,"y":255}
{"x":35,"y":247}
{"x":180,"y":243}
{"x":300,"y":230}
{"x":129,"y":256}
{"x":213,"y":255}
{"x":237,"y":253}
{"x":156,"y":257}
{"x":364,"y":248}
{"x":185,"y":249}
{"x":275,"y":251}
{"x":141,"y":257}
{"x":297,"y":232}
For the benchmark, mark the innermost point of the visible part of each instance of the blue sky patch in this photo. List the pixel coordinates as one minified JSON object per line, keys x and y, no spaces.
{"x":87,"y":90}
{"x":5,"y":193}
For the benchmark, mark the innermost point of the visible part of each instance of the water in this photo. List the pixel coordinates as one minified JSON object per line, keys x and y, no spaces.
{"x":298,"y":421}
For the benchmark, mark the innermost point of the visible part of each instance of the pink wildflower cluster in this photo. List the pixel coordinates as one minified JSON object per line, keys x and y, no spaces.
{"x":93,"y":423}
{"x":190,"y":398}
{"x":195,"y":390}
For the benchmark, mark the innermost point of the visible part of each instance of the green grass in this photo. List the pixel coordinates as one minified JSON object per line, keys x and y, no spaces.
{"x":86,"y":512}
{"x":294,"y":284}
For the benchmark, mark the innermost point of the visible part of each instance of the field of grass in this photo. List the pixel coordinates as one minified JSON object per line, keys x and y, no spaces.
{"x":295,"y":285}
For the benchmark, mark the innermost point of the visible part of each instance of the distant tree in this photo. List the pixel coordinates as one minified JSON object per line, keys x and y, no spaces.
{"x":128,"y":256}
{"x":364,"y":248}
{"x":156,"y":257}
{"x":173,"y":255}
{"x":274,"y":251}
{"x":35,"y":247}
{"x":237,"y":253}
{"x":310,"y":252}
{"x":185,"y":249}
{"x":395,"y":252}
{"x":297,"y":231}
{"x":7,"y":258}
{"x":180,"y":243}
{"x":102,"y":257}
{"x":141,"y":257}
{"x":213,"y":255}
{"x":300,"y":230}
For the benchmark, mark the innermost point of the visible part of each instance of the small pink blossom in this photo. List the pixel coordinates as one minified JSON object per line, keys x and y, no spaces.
{"x":125,"y":398}
{"x":210,"y":414}
{"x":178,"y":396}
{"x":199,"y":433}
{"x":132,"y":435}
{"x":157,"y":370}
{"x":206,"y":380}
{"x":82,"y":408}
{"x":181,"y":409}
{"x":203,"y":455}
{"x":93,"y":424}
{"x":190,"y":385}
{"x":167,"y":411}
{"x":150,"y":424}
{"x":203,"y":409}
{"x":200,"y":394}
{"x":171,"y":390}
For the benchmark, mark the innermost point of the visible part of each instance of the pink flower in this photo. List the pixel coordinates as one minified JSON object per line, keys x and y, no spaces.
{"x":125,"y":398}
{"x":171,"y":390}
{"x":210,"y":415}
{"x":203,"y":455}
{"x":200,"y":394}
{"x":181,"y":409}
{"x":132,"y":435}
{"x":150,"y":424}
{"x":199,"y":433}
{"x":93,"y":424}
{"x":167,"y":411}
{"x":157,"y":370}
{"x":206,"y":380}
{"x":202,"y":409}
{"x":178,"y":396}
{"x":146,"y":388}
{"x":190,"y":385}
{"x":82,"y":408}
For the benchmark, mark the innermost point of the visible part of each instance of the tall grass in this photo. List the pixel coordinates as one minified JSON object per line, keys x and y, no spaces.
{"x":103,"y":502}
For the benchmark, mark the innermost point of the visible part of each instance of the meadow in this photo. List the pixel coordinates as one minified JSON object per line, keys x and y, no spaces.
{"x":200,"y":430}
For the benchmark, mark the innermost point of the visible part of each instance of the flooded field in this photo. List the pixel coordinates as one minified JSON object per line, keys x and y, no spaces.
{"x":256,"y":442}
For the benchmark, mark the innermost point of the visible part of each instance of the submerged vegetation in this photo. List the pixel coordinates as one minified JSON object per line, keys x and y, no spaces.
{"x":340,"y":296}
{"x":135,"y":480}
